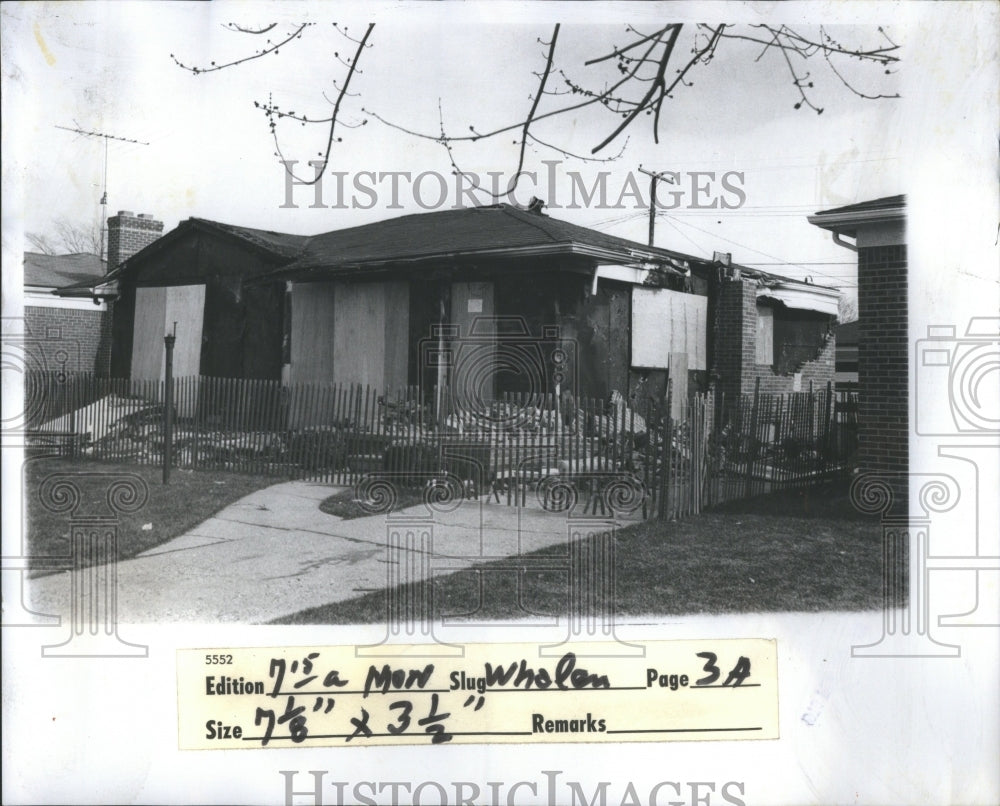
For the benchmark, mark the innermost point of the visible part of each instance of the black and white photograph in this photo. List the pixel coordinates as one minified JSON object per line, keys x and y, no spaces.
{"x":466,"y":359}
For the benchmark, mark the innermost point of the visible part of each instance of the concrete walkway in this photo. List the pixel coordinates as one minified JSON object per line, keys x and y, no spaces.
{"x":274,"y":553}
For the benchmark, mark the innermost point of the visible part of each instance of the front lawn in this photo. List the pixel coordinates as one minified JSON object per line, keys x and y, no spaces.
{"x":796,"y":551}
{"x":191,"y":497}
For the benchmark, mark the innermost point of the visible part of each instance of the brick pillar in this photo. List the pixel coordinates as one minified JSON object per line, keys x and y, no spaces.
{"x":735,"y":343}
{"x":128,"y":233}
{"x":883,"y":359}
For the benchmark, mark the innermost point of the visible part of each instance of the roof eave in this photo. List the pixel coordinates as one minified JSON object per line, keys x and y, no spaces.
{"x":794,"y":294}
{"x":202,"y":225}
{"x":576,"y":249}
{"x":847,"y":223}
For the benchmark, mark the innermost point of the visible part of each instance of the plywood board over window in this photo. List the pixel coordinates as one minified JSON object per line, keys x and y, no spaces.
{"x":311,"y":333}
{"x":370,"y":330}
{"x":350,"y":333}
{"x":665,"y":322}
{"x":474,"y":359}
{"x":156,"y":310}
{"x":765,"y":334}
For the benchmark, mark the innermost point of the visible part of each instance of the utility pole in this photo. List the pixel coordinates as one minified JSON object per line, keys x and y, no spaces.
{"x":104,"y":193}
{"x":654,"y":177}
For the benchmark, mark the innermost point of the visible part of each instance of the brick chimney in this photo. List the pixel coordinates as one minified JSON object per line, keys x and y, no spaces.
{"x":128,"y":233}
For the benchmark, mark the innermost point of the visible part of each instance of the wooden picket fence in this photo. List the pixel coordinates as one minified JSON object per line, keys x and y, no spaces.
{"x":615,"y":455}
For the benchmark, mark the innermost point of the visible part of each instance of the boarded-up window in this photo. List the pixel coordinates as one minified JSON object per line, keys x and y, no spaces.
{"x":156,"y":310}
{"x":765,"y":334}
{"x":665,"y":322}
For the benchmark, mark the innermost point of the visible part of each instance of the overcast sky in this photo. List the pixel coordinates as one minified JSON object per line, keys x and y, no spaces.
{"x":107,"y":67}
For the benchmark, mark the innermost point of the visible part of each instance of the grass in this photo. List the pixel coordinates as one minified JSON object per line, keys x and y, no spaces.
{"x":344,"y":504}
{"x":190,"y":498}
{"x":796,"y":551}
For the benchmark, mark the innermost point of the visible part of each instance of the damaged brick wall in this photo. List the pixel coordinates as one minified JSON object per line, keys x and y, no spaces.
{"x":796,"y":338}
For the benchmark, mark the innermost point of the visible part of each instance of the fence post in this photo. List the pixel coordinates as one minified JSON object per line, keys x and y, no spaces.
{"x":72,"y":424}
{"x":828,"y":460}
{"x":168,"y":403}
{"x":666,"y":478}
{"x":754,"y":413}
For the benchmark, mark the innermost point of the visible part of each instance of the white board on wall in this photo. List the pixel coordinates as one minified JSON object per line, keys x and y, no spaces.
{"x":156,"y":310}
{"x":665,"y":322}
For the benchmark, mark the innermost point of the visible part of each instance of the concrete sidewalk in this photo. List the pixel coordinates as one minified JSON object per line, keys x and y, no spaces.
{"x":274,"y":553}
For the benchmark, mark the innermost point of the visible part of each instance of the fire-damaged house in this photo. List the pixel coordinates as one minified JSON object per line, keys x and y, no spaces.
{"x":485,"y":300}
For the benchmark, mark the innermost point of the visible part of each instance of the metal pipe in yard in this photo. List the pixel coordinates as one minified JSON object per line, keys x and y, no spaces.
{"x":168,"y":403}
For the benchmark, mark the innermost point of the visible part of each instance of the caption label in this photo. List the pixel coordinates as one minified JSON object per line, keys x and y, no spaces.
{"x":326,"y":696}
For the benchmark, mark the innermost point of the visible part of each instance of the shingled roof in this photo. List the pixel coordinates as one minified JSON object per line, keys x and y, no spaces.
{"x":281,"y":246}
{"x":278,"y":244}
{"x":499,"y":230}
{"x":479,"y":231}
{"x":56,"y":271}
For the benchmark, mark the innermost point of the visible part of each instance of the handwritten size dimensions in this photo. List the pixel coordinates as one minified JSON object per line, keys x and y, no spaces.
{"x":324,"y":696}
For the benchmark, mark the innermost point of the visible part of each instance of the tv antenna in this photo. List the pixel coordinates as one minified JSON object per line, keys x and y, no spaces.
{"x":104,"y":190}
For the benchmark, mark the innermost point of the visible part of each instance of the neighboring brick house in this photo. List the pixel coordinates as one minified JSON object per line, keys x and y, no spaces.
{"x":69,"y":299}
{"x":65,"y":333}
{"x":878,"y":228}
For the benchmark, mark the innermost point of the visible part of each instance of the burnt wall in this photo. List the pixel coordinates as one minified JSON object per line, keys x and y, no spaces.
{"x":803,"y":345}
{"x":122,"y":323}
{"x":243,"y":323}
{"x":242,"y":330}
{"x":593,"y":329}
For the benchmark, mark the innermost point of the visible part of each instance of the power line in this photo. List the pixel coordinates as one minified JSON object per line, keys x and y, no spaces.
{"x":744,"y":246}
{"x":684,"y":235}
{"x":776,"y":261}
{"x":801,"y":262}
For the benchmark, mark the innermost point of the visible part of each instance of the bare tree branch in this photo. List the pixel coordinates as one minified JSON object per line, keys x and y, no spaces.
{"x":846,"y":83}
{"x":581,"y":157}
{"x":67,"y":238}
{"x":272,"y":48}
{"x":643,"y":86}
{"x":232,"y":26}
{"x":40,"y":242}
{"x":272,"y":111}
{"x":538,"y":96}
{"x":592,"y":98}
